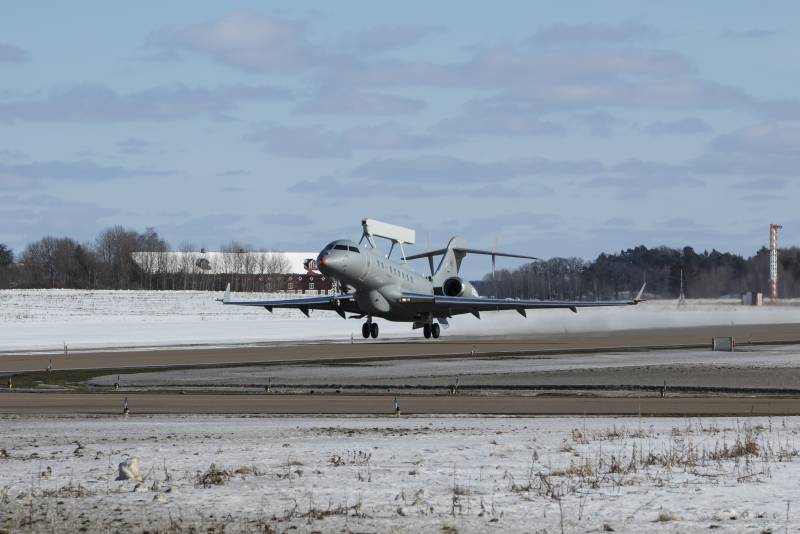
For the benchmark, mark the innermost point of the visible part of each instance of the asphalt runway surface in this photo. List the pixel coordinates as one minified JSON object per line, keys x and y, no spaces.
{"x":428,"y":353}
{"x":371,"y":350}
{"x":163,"y":403}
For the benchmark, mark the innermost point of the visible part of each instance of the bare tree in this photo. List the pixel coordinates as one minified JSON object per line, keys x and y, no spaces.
{"x":6,"y":265}
{"x":58,"y":262}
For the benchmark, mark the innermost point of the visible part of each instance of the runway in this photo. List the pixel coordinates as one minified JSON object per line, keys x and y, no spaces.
{"x":601,"y":373}
{"x":370,"y":350}
{"x":162,"y":403}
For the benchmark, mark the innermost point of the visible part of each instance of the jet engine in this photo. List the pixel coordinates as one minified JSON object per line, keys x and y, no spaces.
{"x":454,"y":287}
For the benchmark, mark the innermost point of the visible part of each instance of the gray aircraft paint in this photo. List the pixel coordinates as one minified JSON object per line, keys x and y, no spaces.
{"x":378,"y":286}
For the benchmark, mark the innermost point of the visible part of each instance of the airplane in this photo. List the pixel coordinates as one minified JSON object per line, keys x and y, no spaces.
{"x":375,"y":286}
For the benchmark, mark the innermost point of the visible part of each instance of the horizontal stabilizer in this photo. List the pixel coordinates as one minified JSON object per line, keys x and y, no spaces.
{"x":441,"y":251}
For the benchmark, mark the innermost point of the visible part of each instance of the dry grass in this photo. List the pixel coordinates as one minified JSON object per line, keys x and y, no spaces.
{"x":575,"y":469}
{"x":744,"y":446}
{"x":664,"y":517}
{"x":213,"y":477}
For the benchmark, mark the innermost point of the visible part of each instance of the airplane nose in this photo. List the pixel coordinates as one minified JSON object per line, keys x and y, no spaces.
{"x":329,"y":262}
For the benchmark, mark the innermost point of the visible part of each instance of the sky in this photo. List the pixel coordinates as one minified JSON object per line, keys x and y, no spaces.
{"x":551,"y":129}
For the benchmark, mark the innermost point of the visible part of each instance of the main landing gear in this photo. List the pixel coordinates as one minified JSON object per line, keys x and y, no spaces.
{"x":431,"y":329}
{"x":369,"y":329}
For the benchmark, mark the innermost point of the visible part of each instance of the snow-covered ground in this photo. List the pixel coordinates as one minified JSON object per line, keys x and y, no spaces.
{"x":45,"y":319}
{"x":421,"y":474}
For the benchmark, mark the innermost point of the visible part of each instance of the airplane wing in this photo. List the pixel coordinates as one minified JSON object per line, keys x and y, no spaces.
{"x":338,"y":303}
{"x":457,"y":305}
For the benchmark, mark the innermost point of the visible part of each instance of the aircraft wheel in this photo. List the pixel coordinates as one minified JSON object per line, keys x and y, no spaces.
{"x":365,"y":330}
{"x":435,"y":330}
{"x":373,"y":330}
{"x":426,"y":331}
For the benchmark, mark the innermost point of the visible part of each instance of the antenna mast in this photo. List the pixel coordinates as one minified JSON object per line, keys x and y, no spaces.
{"x":773,"y":261}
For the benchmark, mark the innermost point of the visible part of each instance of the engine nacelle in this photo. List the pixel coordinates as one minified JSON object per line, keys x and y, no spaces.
{"x":456,"y":287}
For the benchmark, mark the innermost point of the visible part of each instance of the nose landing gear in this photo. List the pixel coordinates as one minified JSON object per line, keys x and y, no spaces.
{"x":370,"y":329}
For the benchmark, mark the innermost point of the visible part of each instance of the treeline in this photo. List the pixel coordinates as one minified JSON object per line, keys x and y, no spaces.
{"x":613,"y":276}
{"x":109,"y":262}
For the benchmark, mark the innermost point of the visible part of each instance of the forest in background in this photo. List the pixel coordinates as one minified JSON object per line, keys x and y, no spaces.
{"x":106,"y":263}
{"x":708,"y":274}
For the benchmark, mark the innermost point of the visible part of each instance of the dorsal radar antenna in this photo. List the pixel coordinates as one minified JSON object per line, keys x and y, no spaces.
{"x":397,"y":235}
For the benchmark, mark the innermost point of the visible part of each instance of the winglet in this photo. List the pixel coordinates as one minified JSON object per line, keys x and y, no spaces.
{"x":639,"y":298}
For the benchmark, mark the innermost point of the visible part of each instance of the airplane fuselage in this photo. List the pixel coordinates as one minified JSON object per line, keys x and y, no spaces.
{"x":375,"y":286}
{"x":378,"y":282}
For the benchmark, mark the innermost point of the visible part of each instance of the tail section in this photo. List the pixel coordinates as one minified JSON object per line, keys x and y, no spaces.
{"x":450,"y":263}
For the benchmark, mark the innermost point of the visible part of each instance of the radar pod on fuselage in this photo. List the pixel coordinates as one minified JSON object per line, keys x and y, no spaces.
{"x":380,"y":287}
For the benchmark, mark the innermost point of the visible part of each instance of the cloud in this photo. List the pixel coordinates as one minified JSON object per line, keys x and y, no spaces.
{"x":350,"y":102}
{"x":762,"y":184}
{"x":681,"y":93}
{"x":13,"y":54}
{"x":761,"y":149}
{"x":208,"y":231}
{"x":137,"y":146}
{"x":478,"y":119}
{"x":780,"y":110}
{"x":513,"y":66}
{"x":15,"y":182}
{"x":319,"y":142}
{"x":467,"y":124}
{"x":688,"y":125}
{"x":382,"y":38}
{"x":636,"y":178}
{"x":90,"y":103}
{"x":599,"y":123}
{"x":332,"y":187}
{"x":683,"y":223}
{"x":8,"y":154}
{"x":18,"y":176}
{"x":234,"y":173}
{"x":29,"y":218}
{"x":543,"y":75}
{"x":755,"y":33}
{"x":540,"y":78}
{"x":449,"y":170}
{"x":620,"y":221}
{"x":246,"y":40}
{"x":637,"y":186}
{"x":286,"y":219}
{"x":585,"y":34}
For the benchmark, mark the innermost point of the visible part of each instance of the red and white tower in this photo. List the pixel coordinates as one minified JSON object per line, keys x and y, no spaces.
{"x":773,"y":261}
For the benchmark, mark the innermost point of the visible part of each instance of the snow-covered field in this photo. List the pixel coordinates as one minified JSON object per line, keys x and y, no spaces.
{"x":421,"y":474}
{"x":46,"y":319}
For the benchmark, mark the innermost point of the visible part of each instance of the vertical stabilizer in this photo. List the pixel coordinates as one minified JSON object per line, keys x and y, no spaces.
{"x":450,"y":263}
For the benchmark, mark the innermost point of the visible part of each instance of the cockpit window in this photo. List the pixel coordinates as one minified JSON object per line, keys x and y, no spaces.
{"x":328,"y":247}
{"x":354,"y":249}
{"x":340,"y":247}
